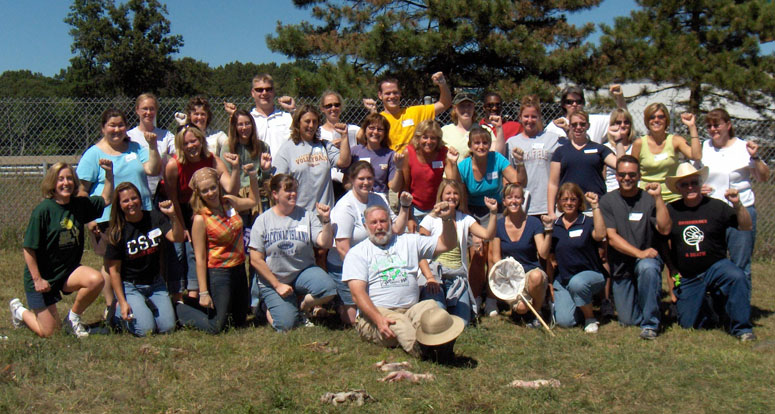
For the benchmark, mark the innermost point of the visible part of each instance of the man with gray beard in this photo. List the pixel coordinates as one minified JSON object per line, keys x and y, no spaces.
{"x":382,"y":275}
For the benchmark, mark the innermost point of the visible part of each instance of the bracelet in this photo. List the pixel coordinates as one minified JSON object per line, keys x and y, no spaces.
{"x":325,"y":222}
{"x":548,"y":229}
{"x":447,"y":219}
{"x":204,"y":293}
{"x":596,"y":208}
{"x":406,"y":205}
{"x":697,"y":137}
{"x":755,"y":158}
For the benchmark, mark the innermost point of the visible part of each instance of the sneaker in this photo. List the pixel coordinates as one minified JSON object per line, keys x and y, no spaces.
{"x":747,"y":337}
{"x":591,"y":326}
{"x":491,"y":307}
{"x":16,"y":304}
{"x":305,"y":322}
{"x":607,"y":309}
{"x":648,"y":334}
{"x":72,"y":324}
{"x":534,"y":324}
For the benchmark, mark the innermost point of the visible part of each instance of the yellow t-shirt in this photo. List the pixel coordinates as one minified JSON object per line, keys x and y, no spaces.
{"x":402,"y":128}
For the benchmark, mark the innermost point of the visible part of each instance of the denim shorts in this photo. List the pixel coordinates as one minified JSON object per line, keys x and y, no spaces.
{"x":42,"y":300}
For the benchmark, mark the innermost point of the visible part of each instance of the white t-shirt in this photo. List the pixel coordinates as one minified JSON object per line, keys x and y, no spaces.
{"x":598,"y":127}
{"x":352,"y":133}
{"x":165,"y":146}
{"x":463,"y":223}
{"x":610,"y":173}
{"x":729,"y":167}
{"x":348,"y":221}
{"x":274,"y":129}
{"x":215,"y":141}
{"x":390,"y":272}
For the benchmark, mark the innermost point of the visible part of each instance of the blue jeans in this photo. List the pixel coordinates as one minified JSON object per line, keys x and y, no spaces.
{"x":726,"y":283}
{"x":181,"y":268}
{"x":228,"y":287}
{"x":147,"y":320}
{"x":285,"y":310}
{"x":462,"y":307}
{"x":741,"y":243}
{"x":578,"y":292}
{"x":637,"y":297}
{"x":341,"y":288}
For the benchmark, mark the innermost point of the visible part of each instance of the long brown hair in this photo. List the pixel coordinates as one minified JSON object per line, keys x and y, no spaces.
{"x":117,"y":216}
{"x":295,"y":125}
{"x":254,"y":146}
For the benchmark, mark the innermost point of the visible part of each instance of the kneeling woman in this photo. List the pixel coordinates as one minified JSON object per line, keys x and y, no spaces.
{"x":579,"y":269}
{"x":525,"y":238}
{"x":447,"y":276}
{"x":133,"y":256}
{"x":216,"y":233}
{"x":53,"y":246}
{"x":282,"y":243}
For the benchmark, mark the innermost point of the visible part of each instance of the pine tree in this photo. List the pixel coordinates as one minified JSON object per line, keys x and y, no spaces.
{"x":513,"y":46}
{"x":711,"y":47}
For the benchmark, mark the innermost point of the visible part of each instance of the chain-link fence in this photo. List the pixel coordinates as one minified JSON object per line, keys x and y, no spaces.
{"x":36,"y":132}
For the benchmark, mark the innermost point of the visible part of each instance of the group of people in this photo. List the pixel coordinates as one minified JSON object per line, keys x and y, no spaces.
{"x":394,"y":224}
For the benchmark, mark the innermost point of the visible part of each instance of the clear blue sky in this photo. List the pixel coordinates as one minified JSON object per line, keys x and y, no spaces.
{"x":34,"y":35}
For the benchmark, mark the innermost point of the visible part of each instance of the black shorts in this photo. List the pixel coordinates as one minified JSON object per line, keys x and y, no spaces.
{"x":38,"y":300}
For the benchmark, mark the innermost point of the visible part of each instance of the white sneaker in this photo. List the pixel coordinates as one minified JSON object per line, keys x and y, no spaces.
{"x":491,"y":307}
{"x":74,"y":322}
{"x":16,"y":309}
{"x":591,"y":326}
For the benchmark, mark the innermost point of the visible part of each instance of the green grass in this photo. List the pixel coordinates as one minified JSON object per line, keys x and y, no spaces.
{"x":256,"y":370}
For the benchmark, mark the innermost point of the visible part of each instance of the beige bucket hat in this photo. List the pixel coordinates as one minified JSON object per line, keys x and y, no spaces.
{"x":438,"y":327}
{"x":685,"y":170}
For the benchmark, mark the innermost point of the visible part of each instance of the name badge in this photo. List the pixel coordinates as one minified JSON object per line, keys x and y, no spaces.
{"x":575,"y":233}
{"x":407,"y":122}
{"x":383,"y":167}
{"x":154,"y":233}
{"x":130,"y":157}
{"x":660,"y":157}
{"x":437,"y":164}
{"x":493,"y":175}
{"x":590,"y":151}
{"x":365,"y":159}
{"x":636,"y":216}
{"x":538,"y":145}
{"x":231,"y":212}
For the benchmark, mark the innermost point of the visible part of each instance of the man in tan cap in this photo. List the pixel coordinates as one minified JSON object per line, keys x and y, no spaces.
{"x":699,"y":253}
{"x":382,"y":275}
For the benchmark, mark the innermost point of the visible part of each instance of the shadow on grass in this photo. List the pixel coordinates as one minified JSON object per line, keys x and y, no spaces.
{"x":759,"y":313}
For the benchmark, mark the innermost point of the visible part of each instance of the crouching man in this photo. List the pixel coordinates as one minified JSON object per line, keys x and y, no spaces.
{"x":382,"y":275}
{"x":699,"y":252}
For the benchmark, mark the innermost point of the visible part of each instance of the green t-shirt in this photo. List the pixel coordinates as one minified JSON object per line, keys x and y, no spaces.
{"x":246,"y":158}
{"x":55,"y":233}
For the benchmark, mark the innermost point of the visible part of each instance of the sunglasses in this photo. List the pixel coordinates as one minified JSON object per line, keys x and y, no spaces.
{"x":578,"y":124}
{"x":657,"y":117}
{"x":332,"y":105}
{"x":573,"y":101}
{"x":261,"y":90}
{"x":687,"y":184}
{"x":492,"y":105}
{"x":627,"y":174}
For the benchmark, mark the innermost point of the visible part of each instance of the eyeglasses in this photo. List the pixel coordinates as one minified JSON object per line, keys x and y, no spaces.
{"x":716,"y":125}
{"x":687,"y":184}
{"x":578,"y":124}
{"x":261,"y":90}
{"x":620,"y":122}
{"x":569,"y":199}
{"x":373,"y":128}
{"x":660,"y":116}
{"x":492,"y":105}
{"x":627,"y":174}
{"x":332,"y":105}
{"x":573,"y":101}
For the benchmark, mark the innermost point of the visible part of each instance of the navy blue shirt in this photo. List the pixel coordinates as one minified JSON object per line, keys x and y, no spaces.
{"x":583,"y":167}
{"x":523,"y":250}
{"x":574,"y":248}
